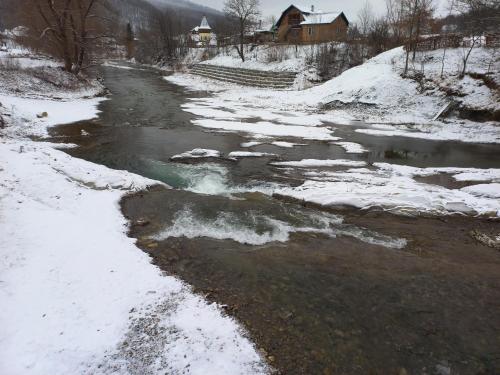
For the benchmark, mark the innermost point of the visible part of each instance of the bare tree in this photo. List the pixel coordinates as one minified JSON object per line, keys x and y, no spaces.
{"x":478,"y":17}
{"x":395,"y":19}
{"x":129,"y":41}
{"x":365,"y":21}
{"x":444,"y":32}
{"x":423,"y":16}
{"x":245,"y":13}
{"x":413,"y":14}
{"x":68,"y":25}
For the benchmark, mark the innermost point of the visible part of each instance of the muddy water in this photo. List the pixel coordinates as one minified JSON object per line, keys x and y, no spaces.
{"x":319,"y":292}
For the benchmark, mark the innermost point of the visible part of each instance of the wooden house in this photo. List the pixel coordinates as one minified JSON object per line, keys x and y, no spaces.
{"x":300,"y":25}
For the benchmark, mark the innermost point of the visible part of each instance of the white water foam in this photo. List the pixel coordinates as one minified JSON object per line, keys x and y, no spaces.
{"x":227,"y":226}
{"x":257,"y":229}
{"x":212,"y":179}
{"x":209,"y":179}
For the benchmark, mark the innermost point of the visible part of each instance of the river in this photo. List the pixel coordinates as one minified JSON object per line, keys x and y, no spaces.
{"x":320,"y":292}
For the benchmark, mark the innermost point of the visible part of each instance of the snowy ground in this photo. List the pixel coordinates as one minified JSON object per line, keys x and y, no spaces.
{"x":262,"y":57}
{"x":78,"y":297}
{"x":373,"y":92}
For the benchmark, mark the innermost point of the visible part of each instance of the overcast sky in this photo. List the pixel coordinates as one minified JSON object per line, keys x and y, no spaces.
{"x":275,"y":7}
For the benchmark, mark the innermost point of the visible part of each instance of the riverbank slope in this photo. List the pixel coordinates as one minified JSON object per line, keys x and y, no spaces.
{"x":78,"y":296}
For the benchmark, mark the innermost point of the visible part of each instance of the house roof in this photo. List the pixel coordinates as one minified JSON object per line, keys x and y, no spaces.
{"x":203,"y":27}
{"x":319,"y":18}
{"x":314,"y":17}
{"x":204,"y":23}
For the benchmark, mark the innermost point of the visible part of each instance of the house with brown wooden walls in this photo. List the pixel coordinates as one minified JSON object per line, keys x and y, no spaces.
{"x":298,"y":24}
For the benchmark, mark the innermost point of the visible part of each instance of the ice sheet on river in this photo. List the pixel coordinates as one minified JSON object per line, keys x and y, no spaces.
{"x":270,"y":129}
{"x":393,"y":188}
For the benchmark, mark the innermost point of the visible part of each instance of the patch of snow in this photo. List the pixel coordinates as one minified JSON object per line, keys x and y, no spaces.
{"x":351,"y":147}
{"x":115,"y":64}
{"x":269,"y":129}
{"x":459,"y":174}
{"x":466,"y":132}
{"x":197,"y":153}
{"x":25,"y":111}
{"x":390,"y":187}
{"x":204,"y":111}
{"x":484,"y":190}
{"x":287,"y":144}
{"x":248,"y":154}
{"x":250,"y":144}
{"x":315,"y":163}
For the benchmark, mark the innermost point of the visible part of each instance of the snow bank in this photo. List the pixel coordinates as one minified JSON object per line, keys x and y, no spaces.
{"x":351,"y":147}
{"x":26,"y":112}
{"x":78,"y":296}
{"x":67,"y":279}
{"x":269,"y":129}
{"x":375,"y":92}
{"x":288,"y":58}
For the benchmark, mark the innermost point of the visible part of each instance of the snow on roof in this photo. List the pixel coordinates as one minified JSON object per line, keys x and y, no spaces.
{"x":204,"y":23}
{"x":312,"y":16}
{"x":319,"y":18}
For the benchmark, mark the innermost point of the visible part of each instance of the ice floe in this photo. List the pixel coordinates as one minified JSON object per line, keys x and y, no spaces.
{"x":351,"y":147}
{"x":392,"y":187}
{"x":197,"y":153}
{"x":249,"y":154}
{"x":315,"y":163}
{"x":270,"y":129}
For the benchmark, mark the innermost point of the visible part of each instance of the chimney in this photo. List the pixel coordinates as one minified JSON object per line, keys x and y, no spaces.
{"x":312,"y":8}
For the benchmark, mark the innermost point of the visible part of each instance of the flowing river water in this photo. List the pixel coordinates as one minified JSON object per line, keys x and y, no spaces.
{"x":320,"y":292}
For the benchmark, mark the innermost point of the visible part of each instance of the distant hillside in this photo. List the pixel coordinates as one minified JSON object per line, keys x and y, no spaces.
{"x":139,"y":12}
{"x":186,"y":5}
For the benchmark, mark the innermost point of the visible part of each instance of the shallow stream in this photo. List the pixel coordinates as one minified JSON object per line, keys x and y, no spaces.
{"x":339,"y":292}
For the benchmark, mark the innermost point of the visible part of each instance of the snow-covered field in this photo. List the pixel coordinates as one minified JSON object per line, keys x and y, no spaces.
{"x":77,"y":295}
{"x":374,"y":93}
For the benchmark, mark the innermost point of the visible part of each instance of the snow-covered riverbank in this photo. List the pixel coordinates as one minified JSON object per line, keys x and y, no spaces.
{"x":78,"y":296}
{"x":374,"y":92}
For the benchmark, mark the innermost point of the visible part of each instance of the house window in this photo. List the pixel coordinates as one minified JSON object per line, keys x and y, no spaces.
{"x":310,"y":31}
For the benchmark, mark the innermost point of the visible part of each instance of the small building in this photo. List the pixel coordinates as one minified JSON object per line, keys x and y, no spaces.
{"x":301,"y":25}
{"x":262,"y":33}
{"x":202,"y":36}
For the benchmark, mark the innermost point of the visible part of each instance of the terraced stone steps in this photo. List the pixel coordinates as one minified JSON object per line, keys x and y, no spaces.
{"x":246,"y":77}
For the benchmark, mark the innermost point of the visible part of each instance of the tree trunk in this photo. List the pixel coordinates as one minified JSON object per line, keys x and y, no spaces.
{"x":242,"y":37}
